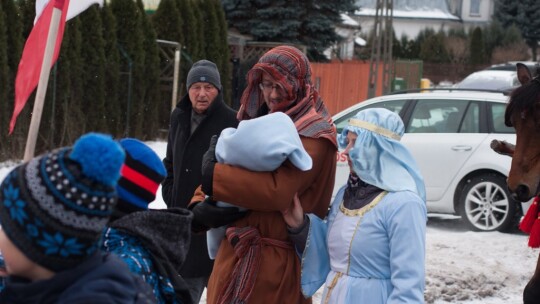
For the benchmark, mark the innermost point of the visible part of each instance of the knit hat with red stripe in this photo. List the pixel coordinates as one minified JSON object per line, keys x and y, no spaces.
{"x":141,"y":175}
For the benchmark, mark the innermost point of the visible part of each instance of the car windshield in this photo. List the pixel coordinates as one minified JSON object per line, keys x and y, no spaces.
{"x":489,"y":81}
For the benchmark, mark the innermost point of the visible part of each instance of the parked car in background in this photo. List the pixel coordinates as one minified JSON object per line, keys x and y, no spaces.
{"x":511,"y":66}
{"x":449,"y":134}
{"x":490,"y":80}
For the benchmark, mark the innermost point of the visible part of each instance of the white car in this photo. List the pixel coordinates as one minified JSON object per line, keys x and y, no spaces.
{"x":490,"y":80}
{"x":449,"y":134}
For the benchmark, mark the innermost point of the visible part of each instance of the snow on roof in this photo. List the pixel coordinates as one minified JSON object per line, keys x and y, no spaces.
{"x":359,"y":41}
{"x":411,"y":14}
{"x":348,"y":20}
{"x":414,"y":9}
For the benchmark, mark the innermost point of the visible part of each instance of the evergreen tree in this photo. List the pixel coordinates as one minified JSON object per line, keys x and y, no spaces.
{"x":240,"y":14}
{"x":113,"y":99}
{"x":528,"y":20}
{"x":417,"y":44}
{"x":27,"y":9}
{"x":69,"y":114}
{"x":167,"y":22}
{"x":477,"y":47}
{"x":175,"y":28}
{"x":320,"y":18}
{"x":224,"y":64}
{"x":506,"y":12}
{"x":199,"y":52}
{"x":432,"y":47}
{"x":214,"y":42}
{"x":401,"y":50}
{"x":525,"y":14}
{"x":211,"y":31}
{"x":14,"y":33}
{"x":275,"y":21}
{"x":93,"y":62}
{"x":168,"y":26}
{"x":191,"y":42}
{"x":130,"y":39}
{"x":493,"y":35}
{"x":13,"y":48}
{"x":311,"y":23}
{"x":510,"y":36}
{"x":25,"y":16}
{"x":457,"y":32}
{"x":183,"y":24}
{"x":151,"y":101}
{"x":4,"y":79}
{"x":396,"y":46}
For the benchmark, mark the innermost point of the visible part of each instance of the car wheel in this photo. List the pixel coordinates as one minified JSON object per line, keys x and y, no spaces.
{"x":486,"y":205}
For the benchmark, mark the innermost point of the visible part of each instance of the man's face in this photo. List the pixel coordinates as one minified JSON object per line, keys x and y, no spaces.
{"x":274,"y":95}
{"x":202,"y":94}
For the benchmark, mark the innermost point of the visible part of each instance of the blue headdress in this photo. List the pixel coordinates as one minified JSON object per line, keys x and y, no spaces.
{"x":378,"y":156}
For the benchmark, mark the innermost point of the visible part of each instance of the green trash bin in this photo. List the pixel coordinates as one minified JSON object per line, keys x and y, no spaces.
{"x":398,"y":84}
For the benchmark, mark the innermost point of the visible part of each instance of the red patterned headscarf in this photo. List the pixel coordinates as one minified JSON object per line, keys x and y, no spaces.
{"x":291,"y":69}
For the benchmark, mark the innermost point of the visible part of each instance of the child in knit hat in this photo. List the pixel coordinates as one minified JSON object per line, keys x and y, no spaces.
{"x":259,"y":144}
{"x":153,"y":243}
{"x":53,"y":210}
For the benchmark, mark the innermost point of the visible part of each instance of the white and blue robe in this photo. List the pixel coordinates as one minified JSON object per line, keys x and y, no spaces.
{"x":372,"y":255}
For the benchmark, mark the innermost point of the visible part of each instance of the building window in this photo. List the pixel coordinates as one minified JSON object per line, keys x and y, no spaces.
{"x":475,"y":8}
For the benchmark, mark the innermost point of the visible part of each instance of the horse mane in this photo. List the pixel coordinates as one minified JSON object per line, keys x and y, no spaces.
{"x":523,"y":99}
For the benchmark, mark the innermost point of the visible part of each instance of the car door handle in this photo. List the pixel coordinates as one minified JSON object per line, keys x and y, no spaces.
{"x":462,"y":148}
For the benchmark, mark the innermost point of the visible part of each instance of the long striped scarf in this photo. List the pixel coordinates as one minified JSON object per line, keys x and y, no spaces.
{"x":247,"y":244}
{"x":291,"y":69}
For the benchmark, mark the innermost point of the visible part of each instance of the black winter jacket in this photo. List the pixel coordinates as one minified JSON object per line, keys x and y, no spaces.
{"x":183,"y":164}
{"x":103,"y":278}
{"x":164,"y":234}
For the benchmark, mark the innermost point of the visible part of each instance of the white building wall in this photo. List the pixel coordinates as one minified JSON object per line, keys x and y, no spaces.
{"x":411,"y":23}
{"x":470,"y":18}
{"x":408,"y":27}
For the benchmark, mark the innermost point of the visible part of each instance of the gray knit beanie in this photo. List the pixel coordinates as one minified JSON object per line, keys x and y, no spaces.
{"x":204,"y":71}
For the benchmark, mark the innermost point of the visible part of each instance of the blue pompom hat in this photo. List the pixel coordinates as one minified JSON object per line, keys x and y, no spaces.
{"x":54,"y":207}
{"x":378,"y":156}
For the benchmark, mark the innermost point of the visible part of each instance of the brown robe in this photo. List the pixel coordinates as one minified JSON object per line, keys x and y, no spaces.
{"x":266,"y":194}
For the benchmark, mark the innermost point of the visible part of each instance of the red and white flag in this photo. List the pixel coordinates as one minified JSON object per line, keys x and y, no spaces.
{"x":34,"y":49}
{"x":75,"y":7}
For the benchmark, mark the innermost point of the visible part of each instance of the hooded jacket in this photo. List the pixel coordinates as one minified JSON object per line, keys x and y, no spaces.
{"x":154,"y":244}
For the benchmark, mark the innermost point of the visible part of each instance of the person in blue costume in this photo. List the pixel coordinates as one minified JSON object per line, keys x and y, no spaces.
{"x":371,"y":247}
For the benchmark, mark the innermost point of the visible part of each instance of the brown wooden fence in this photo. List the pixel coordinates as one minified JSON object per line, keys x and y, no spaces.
{"x":342,"y":84}
{"x":345,"y":83}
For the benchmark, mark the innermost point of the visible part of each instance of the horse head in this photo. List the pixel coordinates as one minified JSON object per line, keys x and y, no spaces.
{"x":523,"y":113}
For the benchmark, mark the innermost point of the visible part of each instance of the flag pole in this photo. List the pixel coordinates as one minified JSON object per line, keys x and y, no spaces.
{"x":42,"y":84}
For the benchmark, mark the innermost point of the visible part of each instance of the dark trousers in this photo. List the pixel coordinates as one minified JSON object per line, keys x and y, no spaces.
{"x":196,"y":288}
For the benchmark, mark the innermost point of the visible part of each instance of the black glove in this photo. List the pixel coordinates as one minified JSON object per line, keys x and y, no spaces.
{"x":207,"y":215}
{"x":207,"y":167}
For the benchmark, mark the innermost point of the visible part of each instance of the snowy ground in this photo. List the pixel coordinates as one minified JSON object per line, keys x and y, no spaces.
{"x":461,"y":266}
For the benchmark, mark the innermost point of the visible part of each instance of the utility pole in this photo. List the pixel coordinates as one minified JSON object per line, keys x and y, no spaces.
{"x":382,"y":35}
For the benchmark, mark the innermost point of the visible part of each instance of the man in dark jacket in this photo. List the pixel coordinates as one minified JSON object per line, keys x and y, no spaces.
{"x":200,"y":114}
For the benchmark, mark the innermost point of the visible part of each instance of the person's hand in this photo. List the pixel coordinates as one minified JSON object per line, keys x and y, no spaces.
{"x":207,"y":167}
{"x":503,"y":147}
{"x":294,"y":215}
{"x":207,"y":215}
